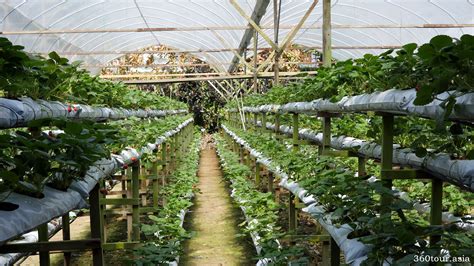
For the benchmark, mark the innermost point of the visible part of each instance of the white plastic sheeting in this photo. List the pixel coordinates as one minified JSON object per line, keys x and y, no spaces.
{"x":33,"y":212}
{"x":354,"y":251}
{"x":458,"y":172}
{"x":20,"y":15}
{"x":17,"y":113}
{"x":391,"y":101}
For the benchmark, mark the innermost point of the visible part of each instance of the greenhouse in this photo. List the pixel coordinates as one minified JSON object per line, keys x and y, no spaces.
{"x":236,"y":132}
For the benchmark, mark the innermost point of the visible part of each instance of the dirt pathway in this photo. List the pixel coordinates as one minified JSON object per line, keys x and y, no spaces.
{"x":214,"y":220}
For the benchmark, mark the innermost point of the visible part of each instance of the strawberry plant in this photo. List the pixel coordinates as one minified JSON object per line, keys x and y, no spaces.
{"x":397,"y":234}
{"x":163,"y":232}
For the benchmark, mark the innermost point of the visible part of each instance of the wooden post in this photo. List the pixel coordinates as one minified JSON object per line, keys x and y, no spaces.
{"x":292,"y":216}
{"x":327,"y":53}
{"x":156,"y":184}
{"x":277,"y":125}
{"x":255,"y":61}
{"x":296,"y":134}
{"x":164,"y":161}
{"x":276,"y":63}
{"x":361,"y":170}
{"x":387,"y":155}
{"x":270,"y":180}
{"x":257,"y":173}
{"x":264,"y":123}
{"x":436,"y":206}
{"x":43,"y":237}
{"x":97,"y":254}
{"x":135,"y":207}
{"x":255,"y":120}
{"x":129,"y":196}
{"x":66,"y":236}
{"x":326,"y":145}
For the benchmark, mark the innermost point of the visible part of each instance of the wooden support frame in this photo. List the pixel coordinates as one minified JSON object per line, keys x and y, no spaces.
{"x":65,"y":245}
{"x":387,"y":154}
{"x":96,"y":226}
{"x":43,"y":236}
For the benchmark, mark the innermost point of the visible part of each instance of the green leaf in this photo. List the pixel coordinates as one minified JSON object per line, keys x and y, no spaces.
{"x":456,"y":129}
{"x":470,"y":155}
{"x":424,"y":95}
{"x":426,"y":52}
{"x":53,"y":55}
{"x":410,"y":48}
{"x":73,"y":128}
{"x":441,"y":41}
{"x":421,"y":152}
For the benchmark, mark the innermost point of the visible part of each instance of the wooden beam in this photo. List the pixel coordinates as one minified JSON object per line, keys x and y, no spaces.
{"x":295,"y":30}
{"x":254,"y":25}
{"x":255,"y":62}
{"x":356,"y":47}
{"x":68,"y":245}
{"x":205,"y":75}
{"x":236,"y":28}
{"x":179,"y":80}
{"x":179,"y":65}
{"x":258,"y":12}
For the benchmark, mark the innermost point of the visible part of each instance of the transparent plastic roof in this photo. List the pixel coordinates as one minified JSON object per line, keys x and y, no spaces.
{"x":100,"y":48}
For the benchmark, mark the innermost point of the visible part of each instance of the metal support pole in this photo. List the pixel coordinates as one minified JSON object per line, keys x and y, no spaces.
{"x":436,"y":206}
{"x":43,"y":237}
{"x":327,"y":53}
{"x":97,"y":254}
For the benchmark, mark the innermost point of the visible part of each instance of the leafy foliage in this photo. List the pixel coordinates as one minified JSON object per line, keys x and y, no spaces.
{"x":163,"y":232}
{"x":53,"y":78}
{"x":393,"y":230}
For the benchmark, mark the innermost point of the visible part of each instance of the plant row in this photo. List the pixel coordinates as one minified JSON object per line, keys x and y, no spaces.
{"x":392,"y":231}
{"x":454,"y":200}
{"x":54,"y":78}
{"x":164,"y":232}
{"x":260,"y":208}
{"x":30,"y":160}
{"x":441,"y":65}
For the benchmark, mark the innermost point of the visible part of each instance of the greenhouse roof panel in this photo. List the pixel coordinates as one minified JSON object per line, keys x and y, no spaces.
{"x":362,"y":26}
